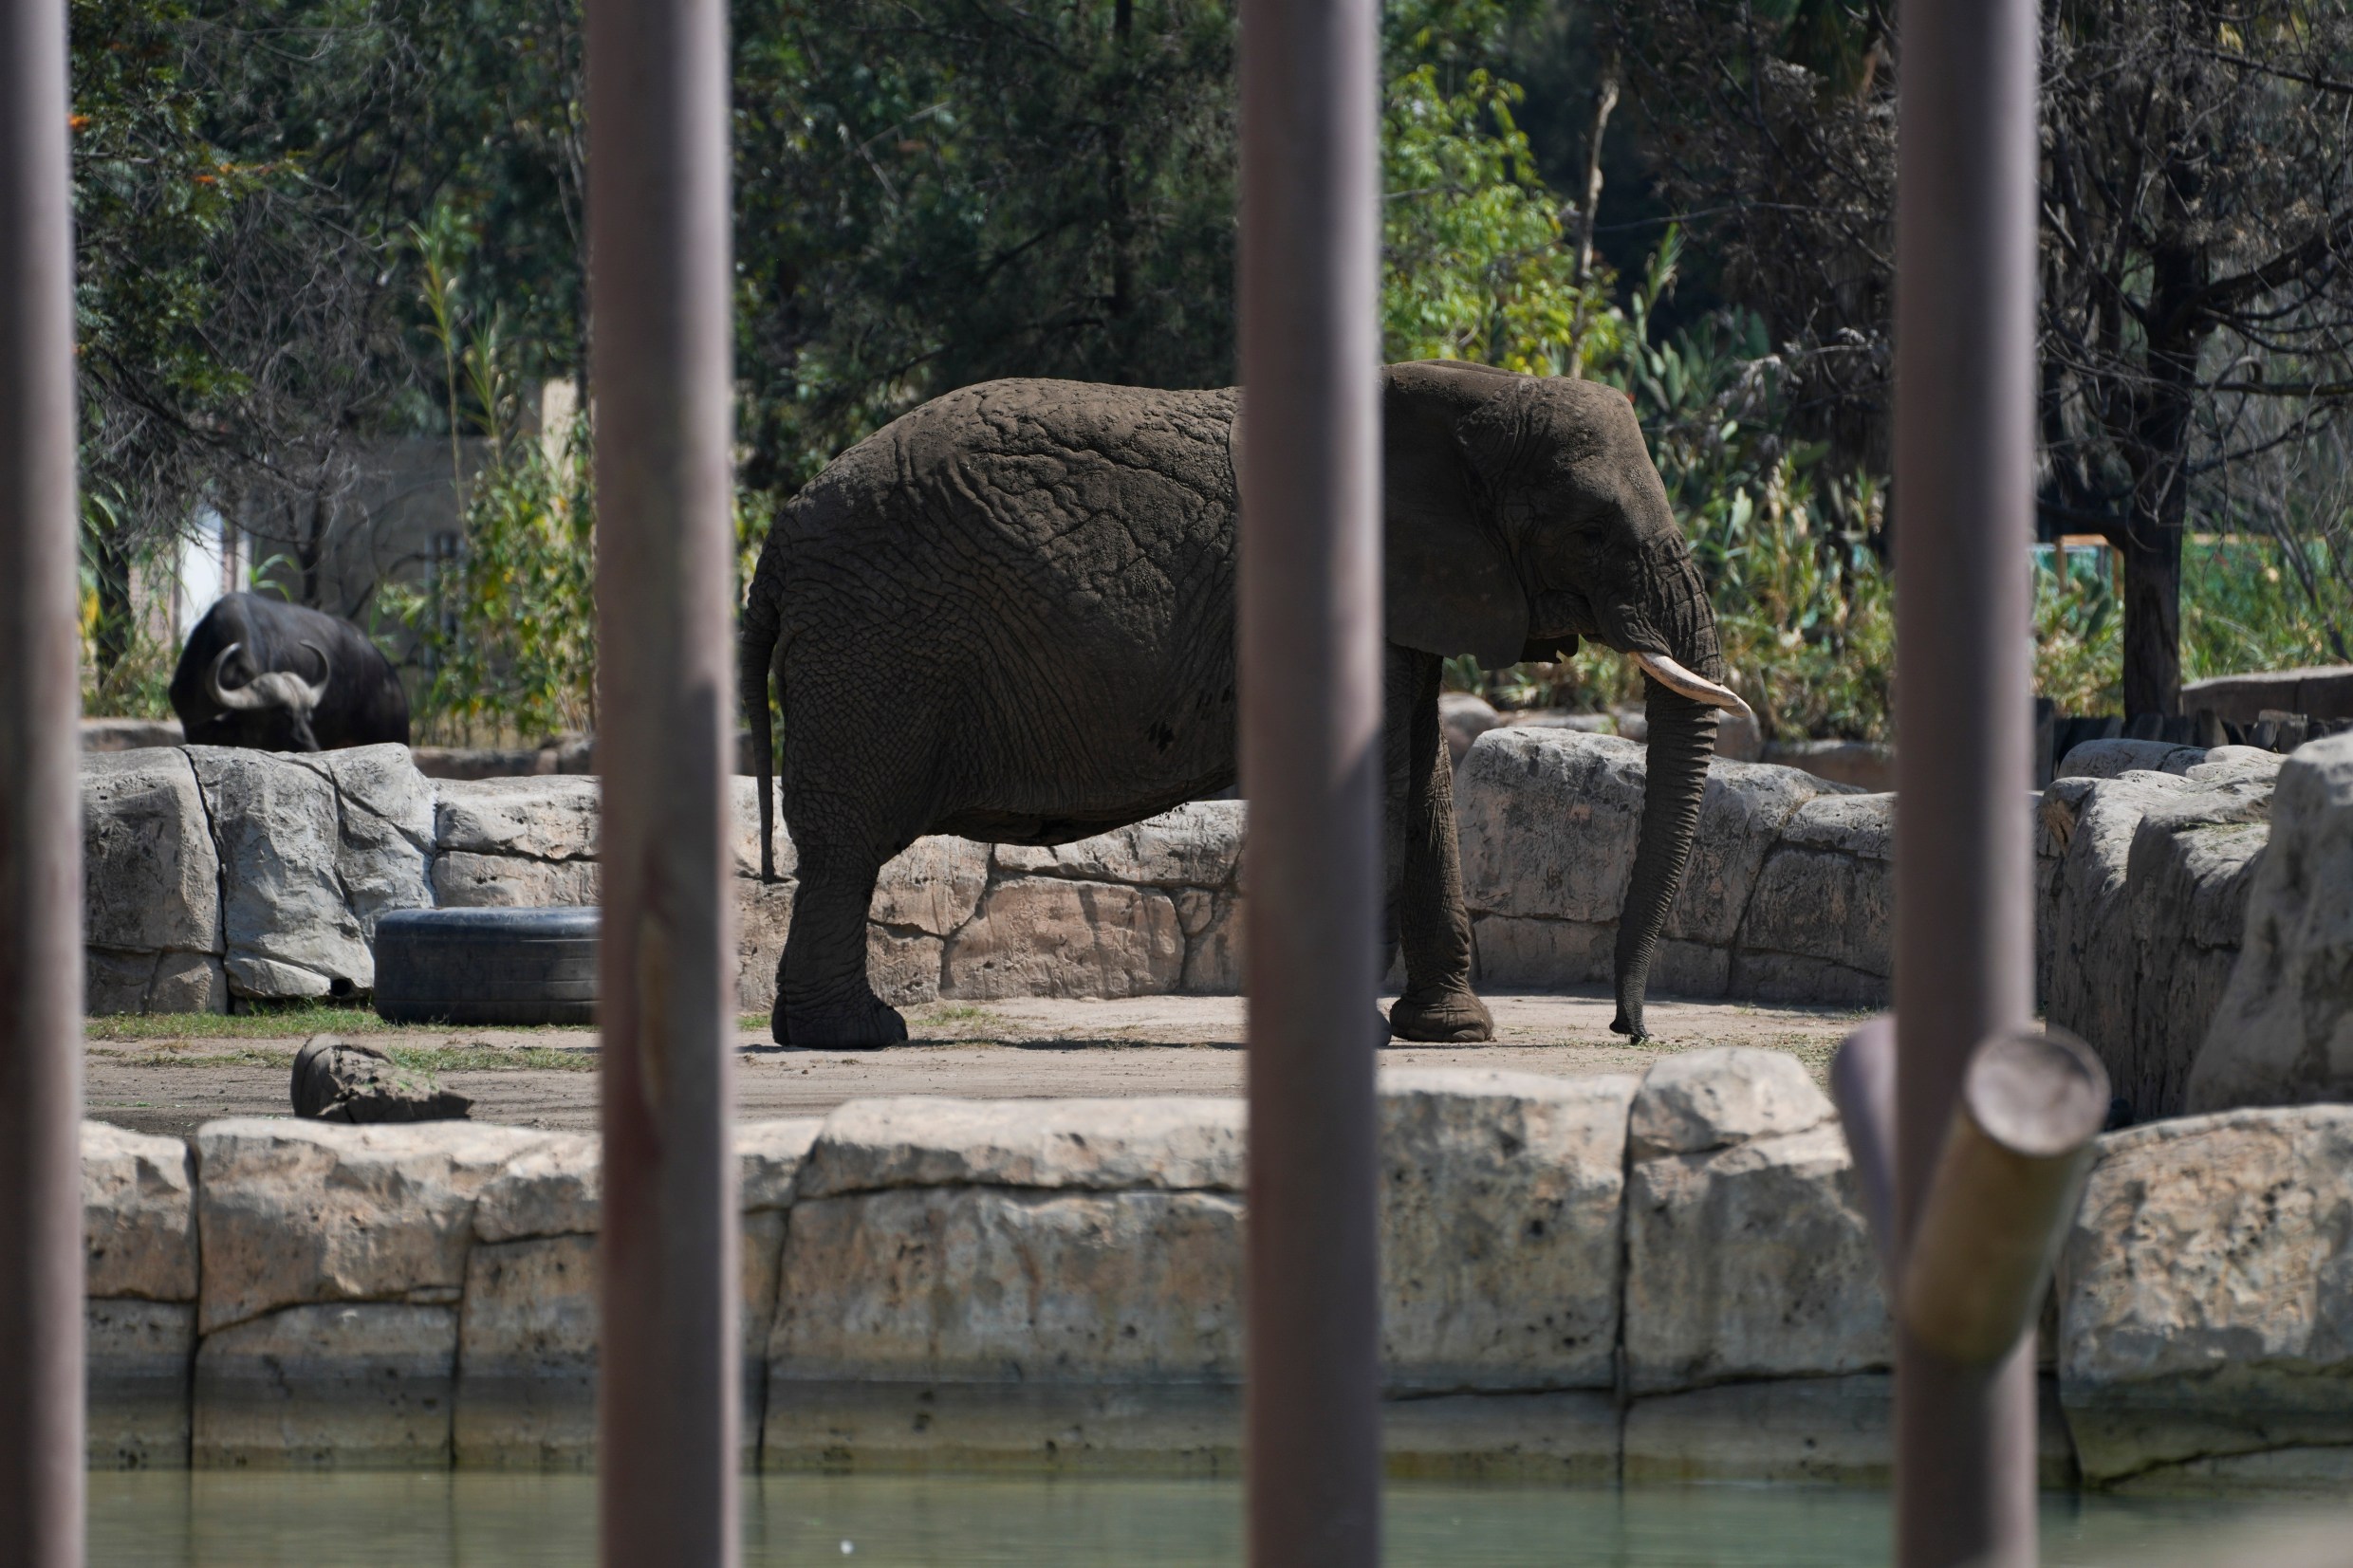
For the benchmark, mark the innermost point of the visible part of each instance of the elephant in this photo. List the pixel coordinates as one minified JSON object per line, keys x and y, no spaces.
{"x":274,"y":677}
{"x":1010,"y":616}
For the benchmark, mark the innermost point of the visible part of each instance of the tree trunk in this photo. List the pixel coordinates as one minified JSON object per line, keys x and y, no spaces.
{"x":2160,"y":499}
{"x":1123,"y":224}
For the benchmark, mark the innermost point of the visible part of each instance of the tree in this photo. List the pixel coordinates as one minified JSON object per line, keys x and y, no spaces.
{"x":150,"y":194}
{"x":2196,"y":205}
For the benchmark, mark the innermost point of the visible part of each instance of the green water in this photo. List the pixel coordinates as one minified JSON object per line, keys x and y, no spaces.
{"x":155,"y":1519}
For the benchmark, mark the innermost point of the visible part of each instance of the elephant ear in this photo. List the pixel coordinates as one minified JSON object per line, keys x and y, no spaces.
{"x":1450,"y":587}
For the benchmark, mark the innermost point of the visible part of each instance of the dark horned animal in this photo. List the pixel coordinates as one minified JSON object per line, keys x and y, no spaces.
{"x":271,"y":676}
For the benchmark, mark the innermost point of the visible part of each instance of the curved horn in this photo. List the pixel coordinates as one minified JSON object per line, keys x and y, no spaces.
{"x":1698,"y":687}
{"x":270,"y":689}
{"x":236,"y":698}
{"x":314,"y":690}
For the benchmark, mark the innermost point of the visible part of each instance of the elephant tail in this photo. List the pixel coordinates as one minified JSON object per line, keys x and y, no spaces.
{"x":755,"y":651}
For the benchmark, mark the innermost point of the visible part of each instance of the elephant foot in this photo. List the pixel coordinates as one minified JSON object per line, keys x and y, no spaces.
{"x":1447,"y":1017}
{"x":865,"y":1023}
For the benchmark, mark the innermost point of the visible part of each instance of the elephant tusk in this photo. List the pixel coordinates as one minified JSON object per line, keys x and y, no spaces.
{"x":1698,"y":687}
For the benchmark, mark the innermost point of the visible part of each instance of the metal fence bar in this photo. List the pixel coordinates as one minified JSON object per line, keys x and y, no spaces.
{"x":659,"y":289}
{"x":40,"y":812}
{"x":1965,"y":1453}
{"x":1310,"y":698}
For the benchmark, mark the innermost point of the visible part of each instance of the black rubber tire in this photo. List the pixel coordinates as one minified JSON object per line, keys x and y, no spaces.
{"x":487,"y":966}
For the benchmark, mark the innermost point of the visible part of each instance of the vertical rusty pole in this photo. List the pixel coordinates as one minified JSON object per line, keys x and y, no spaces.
{"x":40,"y":832}
{"x":1964,"y":488}
{"x":660,"y":290}
{"x":1310,"y":693}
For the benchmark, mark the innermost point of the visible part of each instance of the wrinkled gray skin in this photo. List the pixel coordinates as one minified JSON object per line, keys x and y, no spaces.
{"x":1010,"y":615}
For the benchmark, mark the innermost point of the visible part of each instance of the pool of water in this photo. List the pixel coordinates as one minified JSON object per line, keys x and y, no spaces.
{"x":230,"y":1520}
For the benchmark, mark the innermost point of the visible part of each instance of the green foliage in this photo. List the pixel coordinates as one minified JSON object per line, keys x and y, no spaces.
{"x":931,"y":194}
{"x":1473,"y":263}
{"x":508,"y":628}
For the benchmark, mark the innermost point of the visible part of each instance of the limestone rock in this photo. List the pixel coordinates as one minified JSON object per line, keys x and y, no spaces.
{"x":1548,"y":821}
{"x":1464,"y":716}
{"x":287,"y":930}
{"x":743,"y":821}
{"x":903,"y":967}
{"x":1819,"y":904}
{"x":139,"y":1234}
{"x":2283,"y":1033}
{"x":351,"y":1386}
{"x":296,"y":1212}
{"x":933,"y":885}
{"x":2206,"y":1294}
{"x":1515,"y":950}
{"x":1750,"y":1262}
{"x":772,"y":1153}
{"x":527,"y":1355}
{"x":136,"y":1360}
{"x":1196,"y":846}
{"x":153,"y":982}
{"x":551,"y":1187}
{"x":1793,"y":977}
{"x":539,"y":819}
{"x":2151,"y":873}
{"x":335,"y":1081}
{"x":1500,"y":1228}
{"x":385,"y":820}
{"x":151,"y":879}
{"x":462,"y":880}
{"x":1048,"y":936}
{"x":2112,"y":759}
{"x":1700,"y":1101}
{"x":1213,"y":945}
{"x":763,"y":919}
{"x":1550,"y":818}
{"x":1860,"y":825}
{"x":1099,"y":1145}
{"x":998,"y":1285}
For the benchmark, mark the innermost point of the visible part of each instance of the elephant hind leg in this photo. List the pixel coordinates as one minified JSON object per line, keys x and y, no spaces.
{"x":1432,"y":925}
{"x":822,"y":998}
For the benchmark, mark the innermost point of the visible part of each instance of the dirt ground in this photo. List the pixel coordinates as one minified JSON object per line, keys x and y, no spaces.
{"x":168,"y":1075}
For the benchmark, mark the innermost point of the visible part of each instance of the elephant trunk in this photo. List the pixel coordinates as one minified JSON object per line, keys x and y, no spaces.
{"x":1684,"y":692}
{"x":1682,"y":738}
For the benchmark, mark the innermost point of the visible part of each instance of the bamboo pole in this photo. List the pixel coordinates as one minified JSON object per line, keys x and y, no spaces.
{"x":659,"y":289}
{"x":1310,"y":697}
{"x":2005,"y":1188}
{"x":41,"y":1443}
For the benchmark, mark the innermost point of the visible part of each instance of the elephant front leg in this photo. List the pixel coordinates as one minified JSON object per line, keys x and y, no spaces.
{"x":822,"y":999}
{"x":1432,"y":926}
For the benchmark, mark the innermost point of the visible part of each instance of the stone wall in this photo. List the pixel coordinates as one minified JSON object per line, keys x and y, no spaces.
{"x":1788,"y":896}
{"x":2143,"y":882}
{"x":215,"y":874}
{"x":1665,"y":1279}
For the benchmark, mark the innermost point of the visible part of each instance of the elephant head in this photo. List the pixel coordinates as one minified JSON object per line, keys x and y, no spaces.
{"x":1523,"y":513}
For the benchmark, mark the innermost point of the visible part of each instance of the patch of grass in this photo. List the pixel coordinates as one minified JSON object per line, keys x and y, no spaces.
{"x":952,"y":1012}
{"x":460,"y":1058}
{"x":287,"y":1023}
{"x":492,"y":1059}
{"x":290,"y":1021}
